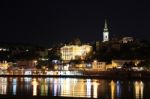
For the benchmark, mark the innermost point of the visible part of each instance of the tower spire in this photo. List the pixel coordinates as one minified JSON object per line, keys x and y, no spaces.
{"x":105,"y":23}
{"x":105,"y":27}
{"x":105,"y":32}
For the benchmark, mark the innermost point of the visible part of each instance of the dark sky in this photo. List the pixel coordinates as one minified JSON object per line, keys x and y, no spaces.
{"x":44,"y":22}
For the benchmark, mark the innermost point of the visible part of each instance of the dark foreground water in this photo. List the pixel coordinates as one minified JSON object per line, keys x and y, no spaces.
{"x":75,"y":87}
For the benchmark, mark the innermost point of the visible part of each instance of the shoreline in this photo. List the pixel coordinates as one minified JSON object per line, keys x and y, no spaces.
{"x":92,"y":75}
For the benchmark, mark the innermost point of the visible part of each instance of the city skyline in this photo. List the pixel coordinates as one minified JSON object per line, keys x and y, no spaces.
{"x":44,"y":23}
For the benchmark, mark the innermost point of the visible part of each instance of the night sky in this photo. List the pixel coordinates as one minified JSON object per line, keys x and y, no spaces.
{"x":45,"y":22}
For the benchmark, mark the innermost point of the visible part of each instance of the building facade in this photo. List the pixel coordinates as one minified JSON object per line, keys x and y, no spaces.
{"x":27,"y":64}
{"x":127,"y":39}
{"x":4,"y":65}
{"x":73,"y":52}
{"x":120,"y":63}
{"x":100,"y":66}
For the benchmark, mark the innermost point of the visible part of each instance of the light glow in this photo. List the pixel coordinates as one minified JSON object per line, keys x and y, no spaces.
{"x":35,"y":84}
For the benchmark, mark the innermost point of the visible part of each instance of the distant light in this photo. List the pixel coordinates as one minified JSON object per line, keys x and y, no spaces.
{"x":4,"y":49}
{"x":55,"y":61}
{"x":95,"y":61}
{"x":43,"y":59}
{"x":35,"y":62}
{"x":88,"y":65}
{"x":49,"y":49}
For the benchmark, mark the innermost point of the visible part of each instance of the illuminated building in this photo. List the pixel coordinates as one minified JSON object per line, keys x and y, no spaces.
{"x":97,"y":46}
{"x":72,"y":52}
{"x":4,"y":49}
{"x":127,"y":39}
{"x":119,"y":63}
{"x":26,"y":63}
{"x":100,"y":66}
{"x":105,"y":33}
{"x":4,"y":65}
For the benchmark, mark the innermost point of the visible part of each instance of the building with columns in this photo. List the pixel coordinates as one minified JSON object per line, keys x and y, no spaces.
{"x":73,"y":52}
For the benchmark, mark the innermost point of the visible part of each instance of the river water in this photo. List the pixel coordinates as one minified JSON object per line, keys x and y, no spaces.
{"x":75,"y":87}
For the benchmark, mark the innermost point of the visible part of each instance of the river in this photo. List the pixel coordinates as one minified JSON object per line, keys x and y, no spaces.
{"x":75,"y":87}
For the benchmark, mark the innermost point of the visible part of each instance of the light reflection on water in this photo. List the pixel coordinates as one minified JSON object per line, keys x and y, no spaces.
{"x":73,"y":87}
{"x":3,"y":86}
{"x":138,"y":85}
{"x":112,"y":85}
{"x":14,"y":82}
{"x":34,"y":84}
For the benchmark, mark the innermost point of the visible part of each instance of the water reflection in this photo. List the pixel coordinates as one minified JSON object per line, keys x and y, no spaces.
{"x":112,"y":85}
{"x":95,"y":87}
{"x":118,"y":85}
{"x":3,"y":85}
{"x":88,"y":89}
{"x":34,"y":84}
{"x":14,"y":86}
{"x":73,"y":87}
{"x":44,"y":87}
{"x":138,"y":85}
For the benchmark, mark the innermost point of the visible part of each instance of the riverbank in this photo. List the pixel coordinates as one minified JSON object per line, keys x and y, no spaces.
{"x":97,"y":74}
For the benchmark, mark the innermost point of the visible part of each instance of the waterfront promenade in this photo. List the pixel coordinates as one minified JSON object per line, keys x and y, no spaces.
{"x":97,"y":74}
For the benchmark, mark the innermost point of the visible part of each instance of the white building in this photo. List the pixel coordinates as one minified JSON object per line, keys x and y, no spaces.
{"x":72,"y":52}
{"x":127,"y":39}
{"x":105,"y":33}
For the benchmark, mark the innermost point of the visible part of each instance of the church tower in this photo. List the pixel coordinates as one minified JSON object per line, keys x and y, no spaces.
{"x":105,"y":33}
